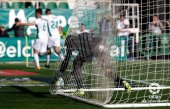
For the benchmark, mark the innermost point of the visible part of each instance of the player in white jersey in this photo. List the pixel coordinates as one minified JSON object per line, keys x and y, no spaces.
{"x":40,"y":43}
{"x":54,"y":36}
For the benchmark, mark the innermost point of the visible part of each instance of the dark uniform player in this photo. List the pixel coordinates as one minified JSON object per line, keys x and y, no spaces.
{"x":87,"y":47}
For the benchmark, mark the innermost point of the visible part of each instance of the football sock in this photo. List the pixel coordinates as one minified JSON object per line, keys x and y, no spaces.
{"x":36,"y":58}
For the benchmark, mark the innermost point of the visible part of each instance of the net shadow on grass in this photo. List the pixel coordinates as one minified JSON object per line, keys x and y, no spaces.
{"x":30,"y":92}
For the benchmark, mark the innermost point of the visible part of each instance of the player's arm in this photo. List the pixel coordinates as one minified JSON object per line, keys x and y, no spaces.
{"x":168,"y":23}
{"x":123,"y":30}
{"x":119,"y":28}
{"x":161,"y":25}
{"x":12,"y":28}
{"x":65,"y":62}
{"x":25,"y":24}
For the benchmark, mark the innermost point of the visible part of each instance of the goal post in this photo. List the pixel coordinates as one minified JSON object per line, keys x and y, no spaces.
{"x":141,"y":58}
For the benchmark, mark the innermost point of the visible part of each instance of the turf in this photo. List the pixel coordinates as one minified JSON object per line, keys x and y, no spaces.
{"x":15,"y":97}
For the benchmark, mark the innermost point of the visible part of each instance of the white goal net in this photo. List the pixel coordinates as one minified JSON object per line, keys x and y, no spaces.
{"x":129,"y":40}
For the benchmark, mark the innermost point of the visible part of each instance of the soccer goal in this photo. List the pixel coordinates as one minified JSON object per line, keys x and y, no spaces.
{"x":141,"y":59}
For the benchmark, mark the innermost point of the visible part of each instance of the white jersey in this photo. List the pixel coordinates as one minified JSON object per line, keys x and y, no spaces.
{"x":52,"y":24}
{"x":42,"y":29}
{"x":155,"y":27}
{"x":122,"y":25}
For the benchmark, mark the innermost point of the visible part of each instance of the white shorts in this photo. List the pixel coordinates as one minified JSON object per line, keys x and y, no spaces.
{"x":53,"y":42}
{"x":40,"y":45}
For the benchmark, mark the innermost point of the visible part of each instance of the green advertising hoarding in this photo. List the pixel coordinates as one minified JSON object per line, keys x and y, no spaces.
{"x":15,"y":49}
{"x":152,"y":45}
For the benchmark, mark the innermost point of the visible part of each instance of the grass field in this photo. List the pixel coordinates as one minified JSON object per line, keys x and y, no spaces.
{"x":38,"y":97}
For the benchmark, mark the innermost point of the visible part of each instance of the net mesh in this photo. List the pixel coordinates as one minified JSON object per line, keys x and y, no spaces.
{"x":136,"y":50}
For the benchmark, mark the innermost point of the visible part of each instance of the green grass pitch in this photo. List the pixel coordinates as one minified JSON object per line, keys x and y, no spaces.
{"x":15,"y":97}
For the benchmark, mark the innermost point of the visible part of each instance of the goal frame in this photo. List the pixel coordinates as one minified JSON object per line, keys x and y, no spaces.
{"x":121,"y":105}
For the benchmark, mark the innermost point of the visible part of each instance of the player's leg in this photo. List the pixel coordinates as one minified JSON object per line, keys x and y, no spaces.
{"x":36,"y":48}
{"x":103,"y":59}
{"x":77,"y":66}
{"x":47,"y":65}
{"x":154,"y":42}
{"x":43,"y":48}
{"x":49,"y":46}
{"x":57,"y":81}
{"x":56,"y":45}
{"x":59,"y":52}
{"x":36,"y":59}
{"x":76,"y":72}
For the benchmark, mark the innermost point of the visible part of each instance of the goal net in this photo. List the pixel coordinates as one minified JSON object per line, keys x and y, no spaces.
{"x":133,"y":45}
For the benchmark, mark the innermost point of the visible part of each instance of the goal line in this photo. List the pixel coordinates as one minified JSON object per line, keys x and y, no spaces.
{"x":113,"y":89}
{"x":121,"y":105}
